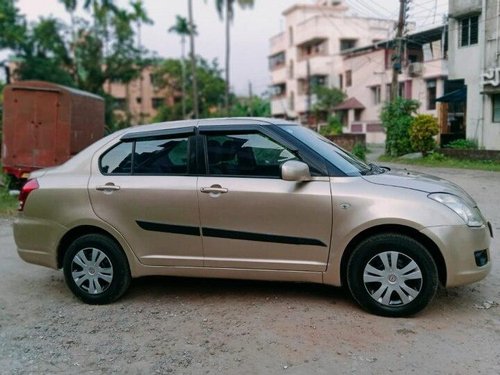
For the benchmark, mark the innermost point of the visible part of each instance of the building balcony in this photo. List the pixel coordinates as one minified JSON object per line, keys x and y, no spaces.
{"x":278,"y":76}
{"x":277,"y":43}
{"x":318,"y":65}
{"x":279,"y":105}
{"x":312,"y":29}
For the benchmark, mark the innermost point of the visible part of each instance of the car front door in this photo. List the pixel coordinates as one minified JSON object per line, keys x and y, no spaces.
{"x":250,"y":217}
{"x":144,"y":187}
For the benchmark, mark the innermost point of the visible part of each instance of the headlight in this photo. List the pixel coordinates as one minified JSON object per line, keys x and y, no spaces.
{"x":469,"y":214}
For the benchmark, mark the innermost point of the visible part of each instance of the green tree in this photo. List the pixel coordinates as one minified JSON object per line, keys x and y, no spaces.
{"x":422,"y":131}
{"x":225,"y":8}
{"x":182,"y":28}
{"x":254,"y":106}
{"x":168,"y":75}
{"x":13,"y":27}
{"x":397,"y":117}
{"x":327,"y":98}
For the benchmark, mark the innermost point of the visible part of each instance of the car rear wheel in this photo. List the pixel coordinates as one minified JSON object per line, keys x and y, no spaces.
{"x":392,"y":275}
{"x":96,"y":269}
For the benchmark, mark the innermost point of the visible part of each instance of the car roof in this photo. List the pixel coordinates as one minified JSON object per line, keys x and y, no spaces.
{"x":171,"y":125}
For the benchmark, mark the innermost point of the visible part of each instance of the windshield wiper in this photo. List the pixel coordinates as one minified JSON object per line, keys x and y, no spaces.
{"x":374,"y":169}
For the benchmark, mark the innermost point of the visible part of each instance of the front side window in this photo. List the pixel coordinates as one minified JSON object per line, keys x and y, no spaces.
{"x":251,"y":154}
{"x":468,"y":31}
{"x":151,"y":157}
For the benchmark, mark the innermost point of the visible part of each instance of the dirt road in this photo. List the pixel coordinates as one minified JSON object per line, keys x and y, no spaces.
{"x":190,"y":326}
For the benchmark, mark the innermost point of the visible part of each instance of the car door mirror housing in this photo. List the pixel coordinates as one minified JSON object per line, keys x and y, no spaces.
{"x":294,"y":170}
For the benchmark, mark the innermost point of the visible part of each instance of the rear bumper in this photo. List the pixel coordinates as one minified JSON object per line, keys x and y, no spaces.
{"x":458,"y":245}
{"x":37,"y":240}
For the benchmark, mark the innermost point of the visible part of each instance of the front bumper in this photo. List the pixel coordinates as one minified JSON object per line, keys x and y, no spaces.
{"x":458,"y":243}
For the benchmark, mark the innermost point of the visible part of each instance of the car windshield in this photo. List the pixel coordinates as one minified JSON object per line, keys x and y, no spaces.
{"x":343,"y":160}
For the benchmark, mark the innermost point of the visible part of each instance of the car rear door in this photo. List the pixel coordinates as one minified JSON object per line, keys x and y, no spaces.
{"x":250,"y":217}
{"x":144,"y":187}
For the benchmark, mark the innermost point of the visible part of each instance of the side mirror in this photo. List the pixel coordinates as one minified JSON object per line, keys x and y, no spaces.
{"x":293,"y":170}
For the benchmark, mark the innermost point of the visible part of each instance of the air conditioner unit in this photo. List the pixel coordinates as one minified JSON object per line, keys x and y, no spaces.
{"x":415,"y":69}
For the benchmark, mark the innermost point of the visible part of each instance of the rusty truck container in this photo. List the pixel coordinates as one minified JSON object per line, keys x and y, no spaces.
{"x":44,"y":124}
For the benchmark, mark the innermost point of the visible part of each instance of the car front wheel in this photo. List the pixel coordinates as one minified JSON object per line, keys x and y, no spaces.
{"x":96,"y":270}
{"x":392,"y":275}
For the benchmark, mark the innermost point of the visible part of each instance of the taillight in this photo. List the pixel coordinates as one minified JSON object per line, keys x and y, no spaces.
{"x":25,"y":191}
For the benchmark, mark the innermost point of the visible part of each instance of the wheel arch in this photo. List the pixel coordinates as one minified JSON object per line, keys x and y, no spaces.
{"x":397,"y":229}
{"x":77,"y":232}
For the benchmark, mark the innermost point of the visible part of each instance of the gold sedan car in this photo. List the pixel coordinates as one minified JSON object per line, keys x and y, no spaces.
{"x":252,"y":199}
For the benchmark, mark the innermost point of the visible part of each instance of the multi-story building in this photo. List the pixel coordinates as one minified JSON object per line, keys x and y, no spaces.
{"x":367,"y":78}
{"x":474,"y":53}
{"x":309,"y":52}
{"x":140,"y":99}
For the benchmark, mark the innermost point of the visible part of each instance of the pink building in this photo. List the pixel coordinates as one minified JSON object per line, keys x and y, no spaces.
{"x":367,"y":76}
{"x":309,"y":52}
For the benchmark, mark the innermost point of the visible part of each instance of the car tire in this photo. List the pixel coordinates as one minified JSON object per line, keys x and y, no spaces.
{"x":392,"y":275}
{"x":96,"y":270}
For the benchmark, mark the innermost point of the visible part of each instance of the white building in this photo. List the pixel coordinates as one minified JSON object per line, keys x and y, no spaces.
{"x":311,"y":46}
{"x":474,"y":52}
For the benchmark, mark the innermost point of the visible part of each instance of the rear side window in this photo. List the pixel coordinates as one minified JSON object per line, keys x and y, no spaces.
{"x":161,"y":156}
{"x":118,"y":160}
{"x":147,"y":157}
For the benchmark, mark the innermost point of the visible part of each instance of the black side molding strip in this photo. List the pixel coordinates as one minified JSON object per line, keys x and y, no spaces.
{"x":178,"y":229}
{"x":261,"y":237}
{"x":230,"y":234}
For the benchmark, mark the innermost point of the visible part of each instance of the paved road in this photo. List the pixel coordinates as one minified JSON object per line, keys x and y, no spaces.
{"x":191,"y":326}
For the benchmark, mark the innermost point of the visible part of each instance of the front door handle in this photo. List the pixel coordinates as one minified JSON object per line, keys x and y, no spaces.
{"x":217,"y":189}
{"x":109,"y":187}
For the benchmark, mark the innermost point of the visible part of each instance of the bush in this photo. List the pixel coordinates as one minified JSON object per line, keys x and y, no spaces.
{"x":396,"y":117}
{"x":462,"y":144}
{"x":422,"y":131}
{"x":359,"y":150}
{"x":334,"y":127}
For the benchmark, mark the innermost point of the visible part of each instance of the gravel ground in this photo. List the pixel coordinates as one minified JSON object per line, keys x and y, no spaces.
{"x":196,"y":326}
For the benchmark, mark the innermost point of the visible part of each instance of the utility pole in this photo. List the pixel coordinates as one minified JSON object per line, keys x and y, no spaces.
{"x":308,"y":87}
{"x":397,"y":56}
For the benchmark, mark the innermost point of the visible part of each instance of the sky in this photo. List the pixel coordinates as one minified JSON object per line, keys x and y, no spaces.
{"x":250,"y":31}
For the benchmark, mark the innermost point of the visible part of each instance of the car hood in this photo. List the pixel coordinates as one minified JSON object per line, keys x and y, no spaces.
{"x":427,"y":183}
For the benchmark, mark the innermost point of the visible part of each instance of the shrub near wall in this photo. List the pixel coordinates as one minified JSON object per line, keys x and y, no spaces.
{"x":471,"y":154}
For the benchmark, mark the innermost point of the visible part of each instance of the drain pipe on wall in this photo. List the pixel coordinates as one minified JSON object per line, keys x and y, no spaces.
{"x":480,"y":120}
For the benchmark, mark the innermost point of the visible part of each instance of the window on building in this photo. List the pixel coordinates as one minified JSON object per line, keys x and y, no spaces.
{"x":138,"y":100}
{"x":431,"y":94}
{"x":348,"y":78}
{"x":277,"y":61}
{"x":290,"y":36}
{"x":290,"y":70}
{"x":375,"y":92}
{"x":496,"y":107}
{"x":341,"y":81}
{"x":120,"y":104}
{"x":388,"y":96}
{"x":468,"y":32}
{"x":291,"y":101}
{"x":278,"y":90}
{"x":347,"y":44}
{"x":157,"y":102}
{"x":314,"y":48}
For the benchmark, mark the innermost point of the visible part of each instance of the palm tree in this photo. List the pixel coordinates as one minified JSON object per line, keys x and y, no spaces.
{"x":193,"y":60}
{"x":182,"y":28}
{"x":101,"y":10}
{"x":227,"y":7}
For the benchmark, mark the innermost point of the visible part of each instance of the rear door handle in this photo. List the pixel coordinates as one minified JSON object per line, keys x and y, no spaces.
{"x":108,"y":187}
{"x":214,"y":189}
